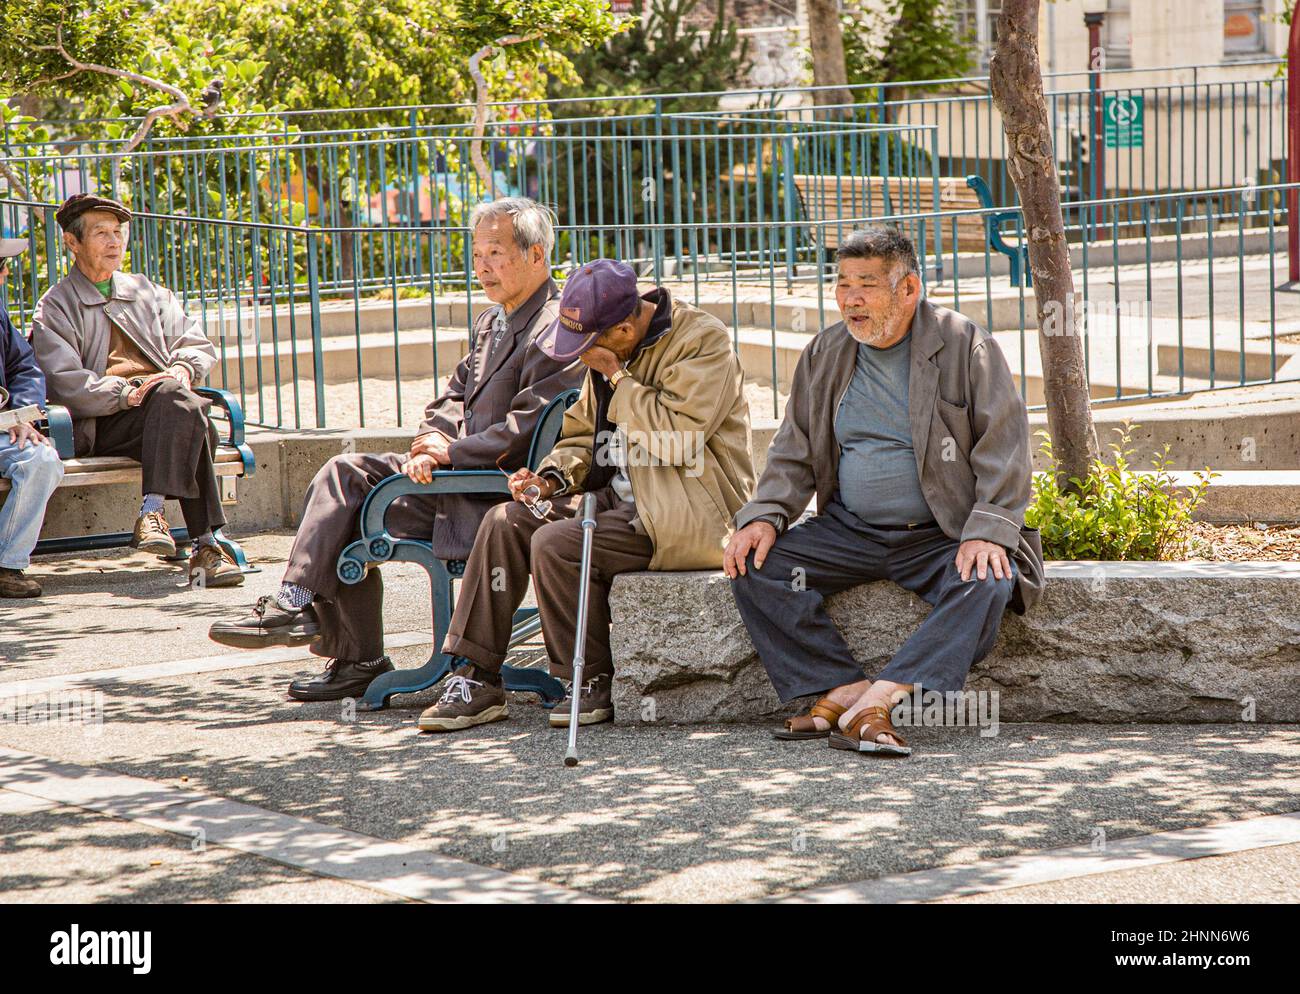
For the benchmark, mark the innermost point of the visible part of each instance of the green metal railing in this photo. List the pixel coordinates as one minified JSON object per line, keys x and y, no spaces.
{"x":1191,"y":303}
{"x":1197,"y":132}
{"x":607,"y":178}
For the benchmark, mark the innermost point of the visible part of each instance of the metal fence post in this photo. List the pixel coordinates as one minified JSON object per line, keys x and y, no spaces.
{"x":317,"y":354}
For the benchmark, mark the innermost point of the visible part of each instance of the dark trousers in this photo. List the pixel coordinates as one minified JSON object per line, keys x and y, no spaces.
{"x":783,"y":604}
{"x":351,"y":615}
{"x":512,"y":544}
{"x":168,"y":435}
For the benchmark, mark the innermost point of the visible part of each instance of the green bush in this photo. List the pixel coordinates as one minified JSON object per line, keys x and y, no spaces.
{"x":1114,"y":513}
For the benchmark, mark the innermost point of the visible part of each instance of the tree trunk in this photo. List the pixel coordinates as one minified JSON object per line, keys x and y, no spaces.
{"x":1017,"y":85}
{"x":826,"y":41}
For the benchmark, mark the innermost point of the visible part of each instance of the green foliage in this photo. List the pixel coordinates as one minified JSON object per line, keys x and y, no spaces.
{"x":107,"y":32}
{"x":1114,"y":513}
{"x":128,"y":35}
{"x":903,"y":40}
{"x":665,"y":54}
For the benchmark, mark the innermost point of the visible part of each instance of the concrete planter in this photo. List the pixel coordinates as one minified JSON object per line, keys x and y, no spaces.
{"x":1108,"y":642}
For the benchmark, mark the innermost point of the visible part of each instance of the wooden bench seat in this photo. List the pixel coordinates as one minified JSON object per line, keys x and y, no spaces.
{"x":94,"y":470}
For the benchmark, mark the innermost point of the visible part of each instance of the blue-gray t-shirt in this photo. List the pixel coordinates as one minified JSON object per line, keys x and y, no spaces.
{"x":878,"y":480}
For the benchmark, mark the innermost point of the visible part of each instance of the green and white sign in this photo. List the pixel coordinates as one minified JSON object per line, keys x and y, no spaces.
{"x":1123,"y":121}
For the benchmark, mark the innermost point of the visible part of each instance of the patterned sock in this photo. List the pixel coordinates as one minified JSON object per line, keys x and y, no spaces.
{"x":153,"y":503}
{"x":293,"y":597}
{"x":206,"y":538}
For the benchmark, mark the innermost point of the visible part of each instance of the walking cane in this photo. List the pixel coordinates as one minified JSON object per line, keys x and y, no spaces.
{"x":580,"y":643}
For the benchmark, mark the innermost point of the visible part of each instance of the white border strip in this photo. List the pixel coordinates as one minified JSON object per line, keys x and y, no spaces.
{"x":1061,"y":864}
{"x":390,"y":867}
{"x":182,"y":667}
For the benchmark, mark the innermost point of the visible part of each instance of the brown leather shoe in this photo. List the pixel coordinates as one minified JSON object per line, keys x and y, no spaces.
{"x":15,"y":583}
{"x":213,"y":566}
{"x":595,"y":702}
{"x":465,"y":702}
{"x":152,"y":535}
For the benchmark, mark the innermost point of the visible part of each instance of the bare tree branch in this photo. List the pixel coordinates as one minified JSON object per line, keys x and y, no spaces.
{"x":19,"y":187}
{"x":179,"y":106}
{"x":480,"y":104}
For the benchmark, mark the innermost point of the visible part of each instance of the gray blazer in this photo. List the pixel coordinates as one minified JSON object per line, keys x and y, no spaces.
{"x":70,"y":332}
{"x":970,"y":433}
{"x":491,"y":406}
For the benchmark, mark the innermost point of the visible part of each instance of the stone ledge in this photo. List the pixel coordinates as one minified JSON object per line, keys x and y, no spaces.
{"x":1108,"y":642}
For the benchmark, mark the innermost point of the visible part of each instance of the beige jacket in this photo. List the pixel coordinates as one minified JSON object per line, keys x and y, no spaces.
{"x":70,"y":333}
{"x":687,"y":423}
{"x":970,"y":433}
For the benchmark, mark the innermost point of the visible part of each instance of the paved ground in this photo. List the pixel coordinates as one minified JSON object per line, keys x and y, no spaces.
{"x":105,"y":809}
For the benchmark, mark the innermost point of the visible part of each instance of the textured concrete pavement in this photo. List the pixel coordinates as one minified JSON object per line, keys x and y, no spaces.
{"x":654,"y":813}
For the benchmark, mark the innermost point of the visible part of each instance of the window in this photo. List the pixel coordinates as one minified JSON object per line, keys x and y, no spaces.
{"x":1243,"y":32}
{"x":1118,"y":31}
{"x":978,"y":20}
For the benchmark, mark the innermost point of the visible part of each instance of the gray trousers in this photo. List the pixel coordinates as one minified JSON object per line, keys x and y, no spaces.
{"x":798,"y":642}
{"x":351,"y":615}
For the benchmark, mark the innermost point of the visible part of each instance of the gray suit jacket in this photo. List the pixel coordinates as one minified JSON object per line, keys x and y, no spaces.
{"x":970,"y":433}
{"x":491,"y":406}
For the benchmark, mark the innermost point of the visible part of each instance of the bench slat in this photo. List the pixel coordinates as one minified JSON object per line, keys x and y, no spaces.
{"x":103,"y":470}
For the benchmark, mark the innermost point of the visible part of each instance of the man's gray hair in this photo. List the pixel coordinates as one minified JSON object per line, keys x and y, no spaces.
{"x":534,"y":223}
{"x":77,"y":226}
{"x":889,"y":244}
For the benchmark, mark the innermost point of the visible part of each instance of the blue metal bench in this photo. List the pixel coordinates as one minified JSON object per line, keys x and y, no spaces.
{"x":377,"y":546}
{"x":233,"y":458}
{"x":1018,"y":256}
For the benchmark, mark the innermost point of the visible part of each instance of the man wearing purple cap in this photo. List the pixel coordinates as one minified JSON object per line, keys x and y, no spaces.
{"x":660,"y":434}
{"x":120,"y":353}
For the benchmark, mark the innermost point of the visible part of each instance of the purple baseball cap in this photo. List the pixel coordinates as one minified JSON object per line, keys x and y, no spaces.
{"x":597,"y":296}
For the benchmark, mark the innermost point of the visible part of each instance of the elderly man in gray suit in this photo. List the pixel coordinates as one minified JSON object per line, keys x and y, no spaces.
{"x":906,"y":424}
{"x":483,"y":420}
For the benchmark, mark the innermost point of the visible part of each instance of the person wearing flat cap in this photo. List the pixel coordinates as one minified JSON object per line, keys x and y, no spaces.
{"x":660,"y":434}
{"x":27,"y":458}
{"x":120,"y":353}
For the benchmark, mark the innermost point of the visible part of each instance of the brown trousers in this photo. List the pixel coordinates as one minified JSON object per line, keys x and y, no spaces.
{"x":169,"y":436}
{"x":511,"y":539}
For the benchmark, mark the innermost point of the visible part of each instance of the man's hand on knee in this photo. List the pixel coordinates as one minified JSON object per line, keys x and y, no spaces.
{"x":757,"y":536}
{"x":982,"y":556}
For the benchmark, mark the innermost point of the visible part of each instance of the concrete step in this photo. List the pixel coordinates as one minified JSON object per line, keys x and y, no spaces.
{"x":1261,"y":362}
{"x":377,"y":354}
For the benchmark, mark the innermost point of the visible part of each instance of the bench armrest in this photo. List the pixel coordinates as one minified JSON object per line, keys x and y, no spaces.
{"x":445,"y":481}
{"x":58,"y":426}
{"x":234,"y":413}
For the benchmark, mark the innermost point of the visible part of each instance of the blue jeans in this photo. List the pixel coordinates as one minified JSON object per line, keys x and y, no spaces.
{"x":33,"y":473}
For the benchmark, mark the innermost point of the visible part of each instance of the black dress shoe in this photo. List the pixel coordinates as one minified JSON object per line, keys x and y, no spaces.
{"x":267,"y":624}
{"x":341,"y":679}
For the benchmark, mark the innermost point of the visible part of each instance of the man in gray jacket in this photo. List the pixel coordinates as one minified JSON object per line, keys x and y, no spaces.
{"x":483,"y":420}
{"x":120,"y":353}
{"x":906,"y":424}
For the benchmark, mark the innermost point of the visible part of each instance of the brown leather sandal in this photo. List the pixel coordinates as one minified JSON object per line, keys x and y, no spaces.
{"x":803,"y":727}
{"x":861,"y":734}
